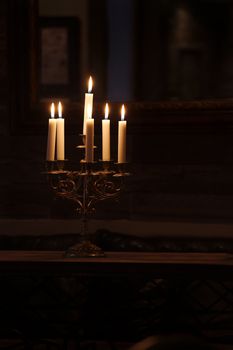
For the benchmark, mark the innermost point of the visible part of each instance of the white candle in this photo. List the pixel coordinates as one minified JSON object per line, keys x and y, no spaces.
{"x":106,"y":136}
{"x":60,"y":134}
{"x":51,"y":135}
{"x":122,"y":137}
{"x":89,"y":150}
{"x":88,"y":105}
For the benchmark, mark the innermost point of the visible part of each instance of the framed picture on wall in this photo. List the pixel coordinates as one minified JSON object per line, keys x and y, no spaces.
{"x":59,"y":72}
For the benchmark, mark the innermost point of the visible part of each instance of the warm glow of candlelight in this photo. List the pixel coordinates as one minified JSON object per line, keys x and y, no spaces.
{"x":90,"y":84}
{"x":59,"y":109}
{"x":122,"y":112}
{"x":106,"y":111}
{"x":52,"y":110}
{"x":89,"y":112}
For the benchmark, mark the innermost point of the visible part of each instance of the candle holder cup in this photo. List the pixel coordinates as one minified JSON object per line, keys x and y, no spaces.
{"x":122,"y":170}
{"x":83,"y":146}
{"x":107,"y":166}
{"x":92,"y":183}
{"x":55,"y":165}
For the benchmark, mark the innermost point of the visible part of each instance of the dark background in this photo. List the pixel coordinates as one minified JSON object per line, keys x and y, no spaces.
{"x":169,"y":61}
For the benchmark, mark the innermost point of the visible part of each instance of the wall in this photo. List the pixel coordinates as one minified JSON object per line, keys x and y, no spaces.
{"x":180,"y":154}
{"x":5,"y":147}
{"x":71,"y":8}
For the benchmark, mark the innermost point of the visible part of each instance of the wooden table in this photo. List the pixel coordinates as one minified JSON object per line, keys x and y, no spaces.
{"x":143,"y":267}
{"x":172,"y":265}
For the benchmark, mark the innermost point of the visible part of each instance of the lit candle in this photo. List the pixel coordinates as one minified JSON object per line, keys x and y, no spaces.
{"x":89,"y":150}
{"x":122,"y":137}
{"x":88,"y":105}
{"x":51,"y":135}
{"x":106,"y":135}
{"x":60,"y":134}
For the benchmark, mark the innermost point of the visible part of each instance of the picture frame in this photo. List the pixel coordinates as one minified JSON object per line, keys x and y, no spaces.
{"x":59,"y":57}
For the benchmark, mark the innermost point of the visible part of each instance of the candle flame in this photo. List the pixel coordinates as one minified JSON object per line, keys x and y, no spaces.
{"x":122,"y":112}
{"x":89,"y":112}
{"x":106,"y":111}
{"x":52,"y":110}
{"x":90,"y":84}
{"x":59,"y":109}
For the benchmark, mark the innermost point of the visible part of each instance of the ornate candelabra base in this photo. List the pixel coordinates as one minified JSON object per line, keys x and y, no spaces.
{"x":85,"y":249}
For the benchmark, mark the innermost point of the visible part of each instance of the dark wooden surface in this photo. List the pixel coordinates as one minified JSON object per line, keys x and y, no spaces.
{"x":172,"y":265}
{"x":124,"y":295}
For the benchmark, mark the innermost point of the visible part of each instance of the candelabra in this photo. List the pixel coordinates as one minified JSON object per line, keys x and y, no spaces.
{"x":92,"y":183}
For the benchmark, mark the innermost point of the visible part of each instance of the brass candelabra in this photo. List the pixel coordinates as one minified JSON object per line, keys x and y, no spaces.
{"x":92,"y":183}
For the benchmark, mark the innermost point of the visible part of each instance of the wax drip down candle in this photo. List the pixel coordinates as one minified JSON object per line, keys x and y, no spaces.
{"x":106,"y":136}
{"x":60,"y":134}
{"x":88,"y":105}
{"x":51,"y":141}
{"x":122,"y":137}
{"x":89,"y":150}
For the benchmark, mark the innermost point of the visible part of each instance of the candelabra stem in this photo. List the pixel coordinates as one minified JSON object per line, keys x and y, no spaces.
{"x":85,"y":248}
{"x":84,"y":232}
{"x":85,"y":194}
{"x":84,"y":209}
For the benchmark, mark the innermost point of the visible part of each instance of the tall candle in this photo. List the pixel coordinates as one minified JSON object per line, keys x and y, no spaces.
{"x":106,"y":135}
{"x":50,"y":155}
{"x":89,"y":150}
{"x":60,"y":134}
{"x":122,"y":137}
{"x":88,"y":105}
